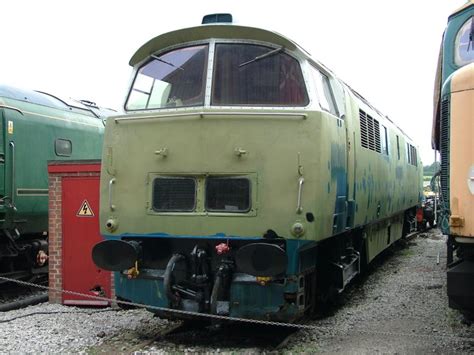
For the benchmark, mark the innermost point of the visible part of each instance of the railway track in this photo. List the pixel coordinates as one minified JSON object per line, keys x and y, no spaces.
{"x":224,"y":336}
{"x":14,"y":296}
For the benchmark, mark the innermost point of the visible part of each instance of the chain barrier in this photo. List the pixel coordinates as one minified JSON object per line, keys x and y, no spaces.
{"x":236,"y":319}
{"x":163,"y":309}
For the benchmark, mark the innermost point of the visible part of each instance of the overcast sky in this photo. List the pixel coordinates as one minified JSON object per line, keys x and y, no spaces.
{"x":385,"y":50}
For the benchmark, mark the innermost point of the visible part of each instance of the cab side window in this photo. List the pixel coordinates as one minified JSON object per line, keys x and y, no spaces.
{"x":323,"y":91}
{"x":63,"y":147}
{"x":464,"y":44}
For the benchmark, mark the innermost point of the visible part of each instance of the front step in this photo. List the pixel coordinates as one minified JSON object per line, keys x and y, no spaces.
{"x":346,"y":270}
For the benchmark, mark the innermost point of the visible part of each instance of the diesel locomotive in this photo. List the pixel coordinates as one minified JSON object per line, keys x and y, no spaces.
{"x":36,"y":127}
{"x":453,"y":126}
{"x":245,"y":178}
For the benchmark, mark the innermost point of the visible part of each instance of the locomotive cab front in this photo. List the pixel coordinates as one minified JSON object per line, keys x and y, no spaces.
{"x":231,"y":167}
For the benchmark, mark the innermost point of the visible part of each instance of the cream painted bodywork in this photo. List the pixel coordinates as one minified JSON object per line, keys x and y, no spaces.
{"x":462,"y":153}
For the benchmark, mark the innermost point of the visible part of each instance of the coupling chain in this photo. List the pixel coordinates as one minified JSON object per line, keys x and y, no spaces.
{"x":329,"y":329}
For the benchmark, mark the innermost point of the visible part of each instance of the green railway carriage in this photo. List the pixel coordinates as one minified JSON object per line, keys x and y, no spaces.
{"x":245,"y":178}
{"x":34,"y":128}
{"x":453,"y":126}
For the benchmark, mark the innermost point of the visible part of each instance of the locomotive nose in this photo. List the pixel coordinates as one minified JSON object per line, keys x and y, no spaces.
{"x":115,"y":255}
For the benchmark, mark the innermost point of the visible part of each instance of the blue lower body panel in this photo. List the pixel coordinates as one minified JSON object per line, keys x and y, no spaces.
{"x":182,"y":274}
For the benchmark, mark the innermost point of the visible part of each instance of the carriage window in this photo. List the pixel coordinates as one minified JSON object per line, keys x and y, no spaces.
{"x":464,"y":44}
{"x":247,"y":74}
{"x":173,"y":79}
{"x":323,"y":91}
{"x":63,"y":147}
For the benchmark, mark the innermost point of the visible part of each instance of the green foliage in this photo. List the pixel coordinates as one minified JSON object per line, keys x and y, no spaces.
{"x":430,"y":170}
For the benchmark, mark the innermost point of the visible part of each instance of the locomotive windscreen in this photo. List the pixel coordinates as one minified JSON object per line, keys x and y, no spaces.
{"x":172,"y":79}
{"x":247,"y":74}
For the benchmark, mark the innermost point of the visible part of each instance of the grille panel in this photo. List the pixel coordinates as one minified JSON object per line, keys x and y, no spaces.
{"x":364,"y":137}
{"x":174,"y":194}
{"x":378,"y":148}
{"x":227,"y":194}
{"x":369,"y":132}
{"x":370,"y":124}
{"x":444,"y":137}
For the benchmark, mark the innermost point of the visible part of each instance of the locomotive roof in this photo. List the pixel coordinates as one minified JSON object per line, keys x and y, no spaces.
{"x":230,"y":31}
{"x":45,"y":99}
{"x":467,"y":4}
{"x":30,"y":96}
{"x":211,"y":31}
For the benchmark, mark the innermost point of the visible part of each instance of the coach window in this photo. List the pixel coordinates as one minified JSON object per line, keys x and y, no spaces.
{"x":324,"y":92}
{"x":173,"y":79}
{"x":464,"y":44}
{"x":63,"y":147}
{"x":249,"y":74}
{"x":398,"y":147}
{"x":408,"y":153}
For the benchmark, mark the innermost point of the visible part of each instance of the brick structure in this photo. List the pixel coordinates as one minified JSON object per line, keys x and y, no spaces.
{"x":58,"y":171}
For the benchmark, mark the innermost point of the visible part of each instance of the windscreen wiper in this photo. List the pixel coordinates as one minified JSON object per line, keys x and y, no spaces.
{"x":164,"y":61}
{"x":263,"y":56}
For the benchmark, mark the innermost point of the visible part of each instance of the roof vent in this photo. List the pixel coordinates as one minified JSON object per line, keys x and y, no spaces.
{"x":217,"y":18}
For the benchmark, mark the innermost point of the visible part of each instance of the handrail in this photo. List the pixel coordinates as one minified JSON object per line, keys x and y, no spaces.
{"x":211,"y":114}
{"x":299,"y":208}
{"x":13,"y":173}
{"x":111,"y":183}
{"x":12,"y":108}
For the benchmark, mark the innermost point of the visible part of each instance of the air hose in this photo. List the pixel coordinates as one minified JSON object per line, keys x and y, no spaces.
{"x":216,"y":291}
{"x":168,"y":278}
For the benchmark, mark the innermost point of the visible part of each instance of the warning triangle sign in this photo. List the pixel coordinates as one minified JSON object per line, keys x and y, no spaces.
{"x":85,"y":210}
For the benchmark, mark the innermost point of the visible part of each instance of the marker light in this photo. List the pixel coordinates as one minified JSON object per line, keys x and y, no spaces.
{"x":263,"y":280}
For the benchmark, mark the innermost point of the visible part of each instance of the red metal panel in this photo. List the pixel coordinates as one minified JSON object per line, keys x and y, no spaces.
{"x":80,"y":229}
{"x":73,"y":166}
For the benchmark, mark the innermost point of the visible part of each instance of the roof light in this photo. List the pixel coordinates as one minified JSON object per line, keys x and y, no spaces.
{"x":217,"y":18}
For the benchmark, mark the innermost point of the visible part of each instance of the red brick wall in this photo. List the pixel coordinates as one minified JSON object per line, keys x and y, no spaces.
{"x":55,"y":237}
{"x":56,"y":175}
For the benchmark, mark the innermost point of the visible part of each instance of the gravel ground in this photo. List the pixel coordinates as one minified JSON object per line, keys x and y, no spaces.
{"x":399,"y":307}
{"x":52,"y":328}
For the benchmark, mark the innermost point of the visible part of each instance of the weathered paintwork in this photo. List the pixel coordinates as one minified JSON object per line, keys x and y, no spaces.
{"x":346,"y":186}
